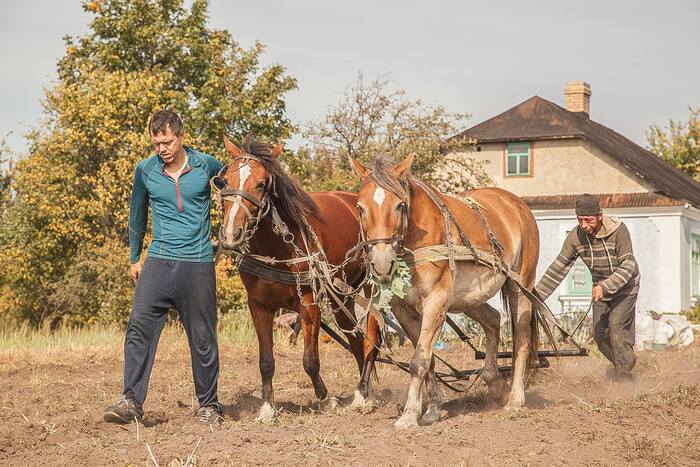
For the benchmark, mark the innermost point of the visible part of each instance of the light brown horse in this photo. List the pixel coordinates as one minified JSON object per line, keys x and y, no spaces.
{"x":397,"y":213}
{"x":255,"y":181}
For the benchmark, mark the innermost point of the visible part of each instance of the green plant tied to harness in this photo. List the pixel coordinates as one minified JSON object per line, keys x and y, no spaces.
{"x":384,"y":292}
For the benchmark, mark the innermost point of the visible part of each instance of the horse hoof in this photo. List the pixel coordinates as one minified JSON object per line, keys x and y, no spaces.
{"x":360,"y":402}
{"x":498,"y":392}
{"x":431,"y":415}
{"x":406,"y":421}
{"x":514,"y":406}
{"x":328,"y":404}
{"x":267,"y":413}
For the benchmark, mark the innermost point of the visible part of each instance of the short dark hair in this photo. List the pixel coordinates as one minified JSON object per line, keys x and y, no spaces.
{"x":163,"y":119}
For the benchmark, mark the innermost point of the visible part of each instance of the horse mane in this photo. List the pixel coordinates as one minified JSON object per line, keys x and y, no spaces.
{"x":381,"y":174}
{"x":291,"y":201}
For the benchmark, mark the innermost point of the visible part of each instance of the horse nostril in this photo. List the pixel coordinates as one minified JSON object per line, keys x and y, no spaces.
{"x":238,"y":234}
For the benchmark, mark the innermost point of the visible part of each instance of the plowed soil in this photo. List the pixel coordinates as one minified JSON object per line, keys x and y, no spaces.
{"x":52,"y":402}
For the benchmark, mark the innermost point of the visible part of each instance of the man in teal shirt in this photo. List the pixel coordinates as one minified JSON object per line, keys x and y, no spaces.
{"x":178,"y":272}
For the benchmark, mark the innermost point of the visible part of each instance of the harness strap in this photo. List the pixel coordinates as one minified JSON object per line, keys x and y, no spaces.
{"x":251,"y":265}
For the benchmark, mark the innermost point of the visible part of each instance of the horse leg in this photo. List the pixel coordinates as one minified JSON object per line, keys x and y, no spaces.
{"x":365,"y":348}
{"x":490,"y":320}
{"x":360,"y":347}
{"x":433,"y":397}
{"x":521,"y":314}
{"x":310,"y":324}
{"x":434,"y":311}
{"x":263,"y":321}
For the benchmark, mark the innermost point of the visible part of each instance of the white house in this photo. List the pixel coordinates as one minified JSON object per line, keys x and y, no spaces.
{"x":548,"y":154}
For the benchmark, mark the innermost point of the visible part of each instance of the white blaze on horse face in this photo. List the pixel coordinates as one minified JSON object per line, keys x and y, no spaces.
{"x":379,"y":195}
{"x":244,"y":172}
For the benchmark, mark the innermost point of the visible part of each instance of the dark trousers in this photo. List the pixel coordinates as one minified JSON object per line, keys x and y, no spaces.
{"x":191,"y":289}
{"x":613,"y":329}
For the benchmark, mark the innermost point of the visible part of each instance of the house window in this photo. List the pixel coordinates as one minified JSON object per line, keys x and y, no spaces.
{"x":517,"y":159}
{"x":695,"y":264}
{"x":578,"y":281}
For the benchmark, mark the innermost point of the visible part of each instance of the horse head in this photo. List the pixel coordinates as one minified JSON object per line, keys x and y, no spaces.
{"x":245,"y":187}
{"x":383,"y":204}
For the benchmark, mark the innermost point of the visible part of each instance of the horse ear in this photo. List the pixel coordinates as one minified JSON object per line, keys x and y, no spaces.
{"x":277,"y":150}
{"x":232,"y":149}
{"x":400,"y":169}
{"x":359,"y":169}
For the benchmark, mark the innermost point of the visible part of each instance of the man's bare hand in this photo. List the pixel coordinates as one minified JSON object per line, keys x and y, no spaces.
{"x":597,"y":293}
{"x":135,"y":271}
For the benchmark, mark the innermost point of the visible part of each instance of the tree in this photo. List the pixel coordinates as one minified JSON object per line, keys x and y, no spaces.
{"x":5,"y":176}
{"x":64,"y":239}
{"x":679,"y":143}
{"x":372,"y":119}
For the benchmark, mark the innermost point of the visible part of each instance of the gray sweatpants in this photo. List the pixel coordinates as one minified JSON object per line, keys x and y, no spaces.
{"x":613,"y":329}
{"x":191,"y":289}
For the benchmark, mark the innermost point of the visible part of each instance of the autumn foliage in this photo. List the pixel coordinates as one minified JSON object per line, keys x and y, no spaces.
{"x":63,"y":239}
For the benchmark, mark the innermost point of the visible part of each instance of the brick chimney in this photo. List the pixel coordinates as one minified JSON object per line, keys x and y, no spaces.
{"x":577,"y":97}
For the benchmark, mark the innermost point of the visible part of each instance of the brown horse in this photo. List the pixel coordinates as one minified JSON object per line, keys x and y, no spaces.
{"x":397,"y":212}
{"x":256,"y":181}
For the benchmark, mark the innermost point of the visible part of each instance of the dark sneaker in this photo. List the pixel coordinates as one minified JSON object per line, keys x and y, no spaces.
{"x":122,"y":411}
{"x":209,"y":415}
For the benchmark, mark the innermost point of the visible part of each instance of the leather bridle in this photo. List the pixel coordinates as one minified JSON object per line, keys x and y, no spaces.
{"x":397,"y":241}
{"x":222,"y":192}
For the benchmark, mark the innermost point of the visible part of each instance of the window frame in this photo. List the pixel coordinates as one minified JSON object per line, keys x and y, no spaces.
{"x":509,"y":153}
{"x":694,"y":265}
{"x":587,"y":283}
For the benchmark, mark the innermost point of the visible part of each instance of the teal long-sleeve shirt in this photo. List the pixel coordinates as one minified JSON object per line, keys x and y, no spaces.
{"x":181,"y":223}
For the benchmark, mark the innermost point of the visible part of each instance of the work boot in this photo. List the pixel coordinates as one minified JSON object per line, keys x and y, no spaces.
{"x":617,"y":375}
{"x":210,"y":415}
{"x":122,"y":411}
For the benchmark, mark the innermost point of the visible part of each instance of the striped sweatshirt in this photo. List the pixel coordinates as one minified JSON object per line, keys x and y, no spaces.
{"x":608,"y":256}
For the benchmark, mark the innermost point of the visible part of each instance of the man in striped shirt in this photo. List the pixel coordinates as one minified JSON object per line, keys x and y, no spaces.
{"x":604,"y":245}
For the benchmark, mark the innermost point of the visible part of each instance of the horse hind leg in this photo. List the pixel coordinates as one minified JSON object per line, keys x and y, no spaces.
{"x":521,"y":315}
{"x":310,"y":325}
{"x":490,"y":320}
{"x":371,"y":343}
{"x":364,"y":347}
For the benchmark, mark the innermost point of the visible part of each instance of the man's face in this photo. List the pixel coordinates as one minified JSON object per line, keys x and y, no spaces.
{"x":167,"y":145}
{"x":590,"y":224}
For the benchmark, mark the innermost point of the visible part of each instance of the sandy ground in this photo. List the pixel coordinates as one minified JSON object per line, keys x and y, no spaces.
{"x":52,"y":403}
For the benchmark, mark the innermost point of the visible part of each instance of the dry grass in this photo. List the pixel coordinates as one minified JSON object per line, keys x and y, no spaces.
{"x":234,"y":329}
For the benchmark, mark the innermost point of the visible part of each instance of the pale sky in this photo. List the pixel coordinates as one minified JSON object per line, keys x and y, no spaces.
{"x":480,"y":57}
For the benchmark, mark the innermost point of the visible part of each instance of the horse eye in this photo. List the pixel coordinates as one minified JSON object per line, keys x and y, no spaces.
{"x":400,"y":206}
{"x":361,"y":210}
{"x":261,"y":186}
{"x":220,"y":182}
